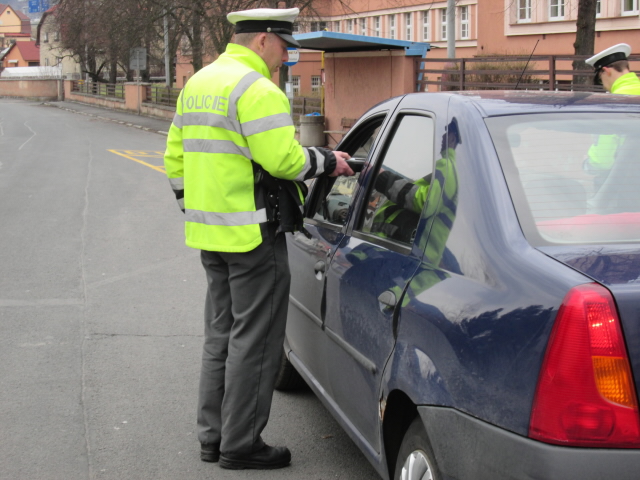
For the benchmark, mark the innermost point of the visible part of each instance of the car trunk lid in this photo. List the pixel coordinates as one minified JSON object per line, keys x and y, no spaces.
{"x":617,"y":268}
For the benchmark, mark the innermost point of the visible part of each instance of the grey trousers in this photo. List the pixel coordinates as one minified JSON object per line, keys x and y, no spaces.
{"x":245,"y":318}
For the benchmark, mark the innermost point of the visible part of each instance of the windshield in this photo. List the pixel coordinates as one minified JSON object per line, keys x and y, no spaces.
{"x":574,"y":178}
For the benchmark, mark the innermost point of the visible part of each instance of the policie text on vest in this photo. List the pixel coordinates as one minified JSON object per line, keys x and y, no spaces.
{"x":207,"y":102}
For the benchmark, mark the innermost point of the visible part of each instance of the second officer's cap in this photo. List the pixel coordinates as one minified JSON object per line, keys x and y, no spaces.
{"x":270,"y":20}
{"x":610,"y":55}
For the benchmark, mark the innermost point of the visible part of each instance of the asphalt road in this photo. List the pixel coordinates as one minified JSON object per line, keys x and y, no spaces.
{"x":100,"y":315}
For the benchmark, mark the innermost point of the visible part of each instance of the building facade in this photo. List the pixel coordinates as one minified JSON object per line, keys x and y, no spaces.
{"x":15,"y":26}
{"x":21,"y":54}
{"x":51,"y":53}
{"x":482,"y":27}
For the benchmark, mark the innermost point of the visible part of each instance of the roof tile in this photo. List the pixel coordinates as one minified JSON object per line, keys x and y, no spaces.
{"x":29,"y":51}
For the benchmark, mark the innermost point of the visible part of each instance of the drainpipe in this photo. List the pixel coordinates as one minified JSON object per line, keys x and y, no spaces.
{"x":451,"y":29}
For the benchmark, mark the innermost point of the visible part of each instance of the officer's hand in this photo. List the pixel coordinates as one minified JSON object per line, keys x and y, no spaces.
{"x":342,"y":167}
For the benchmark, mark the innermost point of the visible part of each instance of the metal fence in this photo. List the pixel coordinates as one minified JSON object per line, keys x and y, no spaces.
{"x":162,"y":95}
{"x":553,"y":72}
{"x":97,"y":88}
{"x":305,"y":105}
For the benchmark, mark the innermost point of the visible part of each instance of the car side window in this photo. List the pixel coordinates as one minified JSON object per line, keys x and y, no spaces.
{"x":334,"y":205}
{"x":399,"y":189}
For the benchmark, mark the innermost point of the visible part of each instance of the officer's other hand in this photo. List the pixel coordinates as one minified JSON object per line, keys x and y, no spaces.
{"x":342,"y":167}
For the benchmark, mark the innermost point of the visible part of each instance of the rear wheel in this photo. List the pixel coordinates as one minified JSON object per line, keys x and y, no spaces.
{"x":288,"y":377}
{"x":415,"y":459}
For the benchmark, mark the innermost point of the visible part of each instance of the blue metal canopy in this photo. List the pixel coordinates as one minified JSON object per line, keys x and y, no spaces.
{"x":345,"y":42}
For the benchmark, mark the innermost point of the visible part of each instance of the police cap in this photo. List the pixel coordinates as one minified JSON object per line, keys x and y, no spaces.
{"x":270,"y":20}
{"x":610,"y":55}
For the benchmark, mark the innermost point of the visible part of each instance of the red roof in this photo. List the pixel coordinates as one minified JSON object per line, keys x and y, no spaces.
{"x":29,"y":51}
{"x":22,"y":16}
{"x":24,"y":20}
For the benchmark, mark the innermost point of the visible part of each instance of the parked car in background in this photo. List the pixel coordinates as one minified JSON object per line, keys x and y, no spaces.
{"x":468,"y":307}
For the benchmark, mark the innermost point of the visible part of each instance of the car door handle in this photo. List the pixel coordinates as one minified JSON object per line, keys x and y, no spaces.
{"x":319,"y":268}
{"x":388,"y":299}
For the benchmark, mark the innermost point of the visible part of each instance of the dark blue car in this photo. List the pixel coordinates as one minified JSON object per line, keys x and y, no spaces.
{"x":468,"y":306}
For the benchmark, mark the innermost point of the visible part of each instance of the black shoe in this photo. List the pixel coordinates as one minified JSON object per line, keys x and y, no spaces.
{"x":209,"y":452}
{"x":266,"y":458}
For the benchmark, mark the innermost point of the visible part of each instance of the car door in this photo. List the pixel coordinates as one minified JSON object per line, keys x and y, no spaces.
{"x":310,"y":252}
{"x":372,"y":265}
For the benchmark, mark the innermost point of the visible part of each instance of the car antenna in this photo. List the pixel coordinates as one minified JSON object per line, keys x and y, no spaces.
{"x":527,"y":64}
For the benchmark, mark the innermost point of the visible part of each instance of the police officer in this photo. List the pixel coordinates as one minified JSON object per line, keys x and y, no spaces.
{"x":231,"y":133}
{"x":612,"y":70}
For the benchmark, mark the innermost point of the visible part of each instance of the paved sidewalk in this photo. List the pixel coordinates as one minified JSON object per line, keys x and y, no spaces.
{"x":142,"y":122}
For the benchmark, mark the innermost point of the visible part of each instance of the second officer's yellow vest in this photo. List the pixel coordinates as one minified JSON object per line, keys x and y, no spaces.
{"x":229,"y":114}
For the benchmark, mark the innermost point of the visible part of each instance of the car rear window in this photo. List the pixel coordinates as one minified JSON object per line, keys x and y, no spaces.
{"x":574,"y":178}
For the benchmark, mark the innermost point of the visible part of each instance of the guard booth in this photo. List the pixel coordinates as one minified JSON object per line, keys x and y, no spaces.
{"x":359,"y":72}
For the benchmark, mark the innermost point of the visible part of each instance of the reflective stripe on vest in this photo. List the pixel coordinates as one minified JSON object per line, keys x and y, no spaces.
{"x":177,"y":183}
{"x":266,"y":123}
{"x":232,"y":219}
{"x":241,"y":87}
{"x":201,"y":145}
{"x":208,"y":119}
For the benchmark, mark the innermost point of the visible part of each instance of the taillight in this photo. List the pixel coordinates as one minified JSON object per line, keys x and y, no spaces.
{"x":585,"y":394}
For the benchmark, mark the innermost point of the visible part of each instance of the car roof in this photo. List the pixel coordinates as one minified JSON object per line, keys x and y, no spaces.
{"x":492,"y":103}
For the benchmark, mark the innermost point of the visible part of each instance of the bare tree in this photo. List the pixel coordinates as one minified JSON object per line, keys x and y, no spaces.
{"x":101,"y":33}
{"x":585,"y":37}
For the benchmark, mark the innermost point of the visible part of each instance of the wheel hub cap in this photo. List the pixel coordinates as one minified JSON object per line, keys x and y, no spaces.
{"x":416,"y":467}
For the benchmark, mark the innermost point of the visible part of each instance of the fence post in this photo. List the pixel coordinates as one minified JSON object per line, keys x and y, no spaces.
{"x":304,"y":106}
{"x":462,"y":67}
{"x":552,"y":72}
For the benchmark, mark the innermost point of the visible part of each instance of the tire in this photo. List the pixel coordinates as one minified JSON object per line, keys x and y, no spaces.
{"x":288,"y":377}
{"x":416,"y":460}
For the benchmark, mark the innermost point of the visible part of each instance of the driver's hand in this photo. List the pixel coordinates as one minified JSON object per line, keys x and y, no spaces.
{"x":342,"y":167}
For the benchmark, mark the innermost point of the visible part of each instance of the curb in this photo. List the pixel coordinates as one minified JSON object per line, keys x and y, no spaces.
{"x":113,"y":120}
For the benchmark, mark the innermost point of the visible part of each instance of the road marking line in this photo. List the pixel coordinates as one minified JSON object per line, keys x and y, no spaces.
{"x":146,"y":154}
{"x":34,"y":134}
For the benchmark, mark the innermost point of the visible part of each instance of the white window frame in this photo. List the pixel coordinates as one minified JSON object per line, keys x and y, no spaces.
{"x":426,"y":26}
{"x":336,"y":26}
{"x":56,"y":36}
{"x":295,"y":84}
{"x":350,"y":26}
{"x":408,"y":26}
{"x":634,"y":7}
{"x":598,"y":8}
{"x":45,"y":38}
{"x":316,"y":83}
{"x":559,"y":6}
{"x":443,"y":24}
{"x":392,"y":27}
{"x":363,"y":26}
{"x":465,"y":29}
{"x":376,"y":26}
{"x":523,"y":11}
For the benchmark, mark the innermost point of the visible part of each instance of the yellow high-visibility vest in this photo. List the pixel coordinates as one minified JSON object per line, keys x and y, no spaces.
{"x":627,"y":84}
{"x":228,"y":116}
